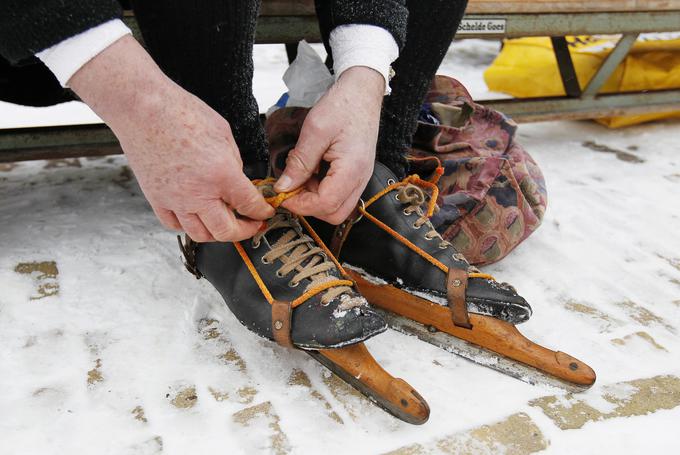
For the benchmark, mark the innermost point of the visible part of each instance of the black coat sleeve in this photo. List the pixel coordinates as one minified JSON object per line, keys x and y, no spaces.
{"x":29,"y":26}
{"x":392,"y":15}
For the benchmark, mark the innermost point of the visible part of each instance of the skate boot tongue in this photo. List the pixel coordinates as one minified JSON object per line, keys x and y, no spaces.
{"x":299,"y":255}
{"x":415,"y":198}
{"x":279,"y":224}
{"x":413,"y":194}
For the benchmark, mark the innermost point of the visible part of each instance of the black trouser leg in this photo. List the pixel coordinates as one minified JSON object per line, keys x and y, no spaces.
{"x":431,"y":27}
{"x":207,"y":48}
{"x":432,"y":24}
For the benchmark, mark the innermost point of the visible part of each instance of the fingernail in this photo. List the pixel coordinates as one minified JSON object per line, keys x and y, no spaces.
{"x":284,"y":183}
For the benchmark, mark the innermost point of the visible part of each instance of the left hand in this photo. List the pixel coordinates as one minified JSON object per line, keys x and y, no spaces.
{"x":341,"y":129}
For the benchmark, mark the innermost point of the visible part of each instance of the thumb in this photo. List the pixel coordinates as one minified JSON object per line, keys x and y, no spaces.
{"x":247,"y":201}
{"x":302,"y":161}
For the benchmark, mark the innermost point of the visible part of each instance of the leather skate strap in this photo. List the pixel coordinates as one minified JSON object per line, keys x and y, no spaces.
{"x":281,"y":323}
{"x":188,"y":249}
{"x":456,"y":285}
{"x":342,"y":231}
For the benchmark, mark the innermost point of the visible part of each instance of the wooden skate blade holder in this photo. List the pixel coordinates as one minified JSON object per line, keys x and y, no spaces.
{"x":487,"y":332}
{"x":362,"y":371}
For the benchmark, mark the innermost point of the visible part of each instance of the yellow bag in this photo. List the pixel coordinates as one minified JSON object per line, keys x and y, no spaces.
{"x":527,"y":67}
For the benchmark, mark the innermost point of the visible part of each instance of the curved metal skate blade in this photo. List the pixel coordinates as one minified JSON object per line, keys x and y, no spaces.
{"x":477,"y":354}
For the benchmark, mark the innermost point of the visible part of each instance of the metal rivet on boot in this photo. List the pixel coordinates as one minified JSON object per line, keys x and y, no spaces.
{"x":456,"y":283}
{"x":278,"y":325}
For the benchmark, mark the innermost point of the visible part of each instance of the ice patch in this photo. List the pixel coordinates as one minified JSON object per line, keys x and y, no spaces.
{"x":429,"y":297}
{"x":337,"y":314}
{"x":348,"y":303}
{"x":365,"y":275}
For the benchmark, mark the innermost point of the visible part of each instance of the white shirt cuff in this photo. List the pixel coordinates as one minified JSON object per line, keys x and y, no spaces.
{"x":364,"y":45}
{"x":68,"y":56}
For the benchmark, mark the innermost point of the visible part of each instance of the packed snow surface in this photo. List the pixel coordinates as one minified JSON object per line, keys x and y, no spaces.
{"x":108,"y":346}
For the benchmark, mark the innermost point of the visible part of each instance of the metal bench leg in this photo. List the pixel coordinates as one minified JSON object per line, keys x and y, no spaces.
{"x":291,"y":51}
{"x":566,"y":65}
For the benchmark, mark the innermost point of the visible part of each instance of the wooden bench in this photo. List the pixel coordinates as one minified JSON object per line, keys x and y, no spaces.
{"x":288,"y":21}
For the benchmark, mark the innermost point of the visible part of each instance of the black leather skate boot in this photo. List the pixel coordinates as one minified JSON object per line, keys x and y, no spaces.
{"x":389,"y":239}
{"x":284,"y":285}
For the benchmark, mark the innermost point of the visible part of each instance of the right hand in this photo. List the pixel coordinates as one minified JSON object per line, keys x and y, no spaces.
{"x":181,"y":151}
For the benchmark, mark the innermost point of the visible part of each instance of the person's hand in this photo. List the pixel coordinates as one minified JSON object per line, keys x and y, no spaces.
{"x":341,"y":129}
{"x":181,"y":151}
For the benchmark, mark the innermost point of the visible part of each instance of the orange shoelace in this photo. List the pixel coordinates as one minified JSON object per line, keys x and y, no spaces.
{"x":430,"y":185}
{"x":327,"y":284}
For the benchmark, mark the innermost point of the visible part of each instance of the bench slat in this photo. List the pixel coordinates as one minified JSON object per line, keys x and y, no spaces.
{"x":306,"y":7}
{"x":287,"y":8}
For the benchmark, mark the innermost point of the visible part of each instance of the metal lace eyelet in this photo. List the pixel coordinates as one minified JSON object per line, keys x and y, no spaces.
{"x":255,"y":245}
{"x":443,"y":246}
{"x":361,"y":211}
{"x":428,"y":238}
{"x":407,"y":213}
{"x":416,"y":226}
{"x":390,"y":182}
{"x":397,"y":197}
{"x":264,"y":261}
{"x":279,"y":274}
{"x":293,"y":284}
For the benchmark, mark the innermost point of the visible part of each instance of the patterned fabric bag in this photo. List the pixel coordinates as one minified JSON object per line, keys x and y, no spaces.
{"x":492,"y":193}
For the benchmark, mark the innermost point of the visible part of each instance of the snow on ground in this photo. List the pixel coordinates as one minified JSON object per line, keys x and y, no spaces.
{"x":107,"y":345}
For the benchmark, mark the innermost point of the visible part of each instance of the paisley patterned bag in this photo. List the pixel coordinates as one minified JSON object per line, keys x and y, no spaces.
{"x":492,"y":193}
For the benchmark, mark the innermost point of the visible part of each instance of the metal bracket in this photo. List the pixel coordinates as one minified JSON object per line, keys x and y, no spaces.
{"x":568,"y":72}
{"x":608,"y":67}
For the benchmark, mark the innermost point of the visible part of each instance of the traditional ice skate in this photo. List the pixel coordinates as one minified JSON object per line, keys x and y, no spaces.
{"x":403,"y":266}
{"x":284,"y":285}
